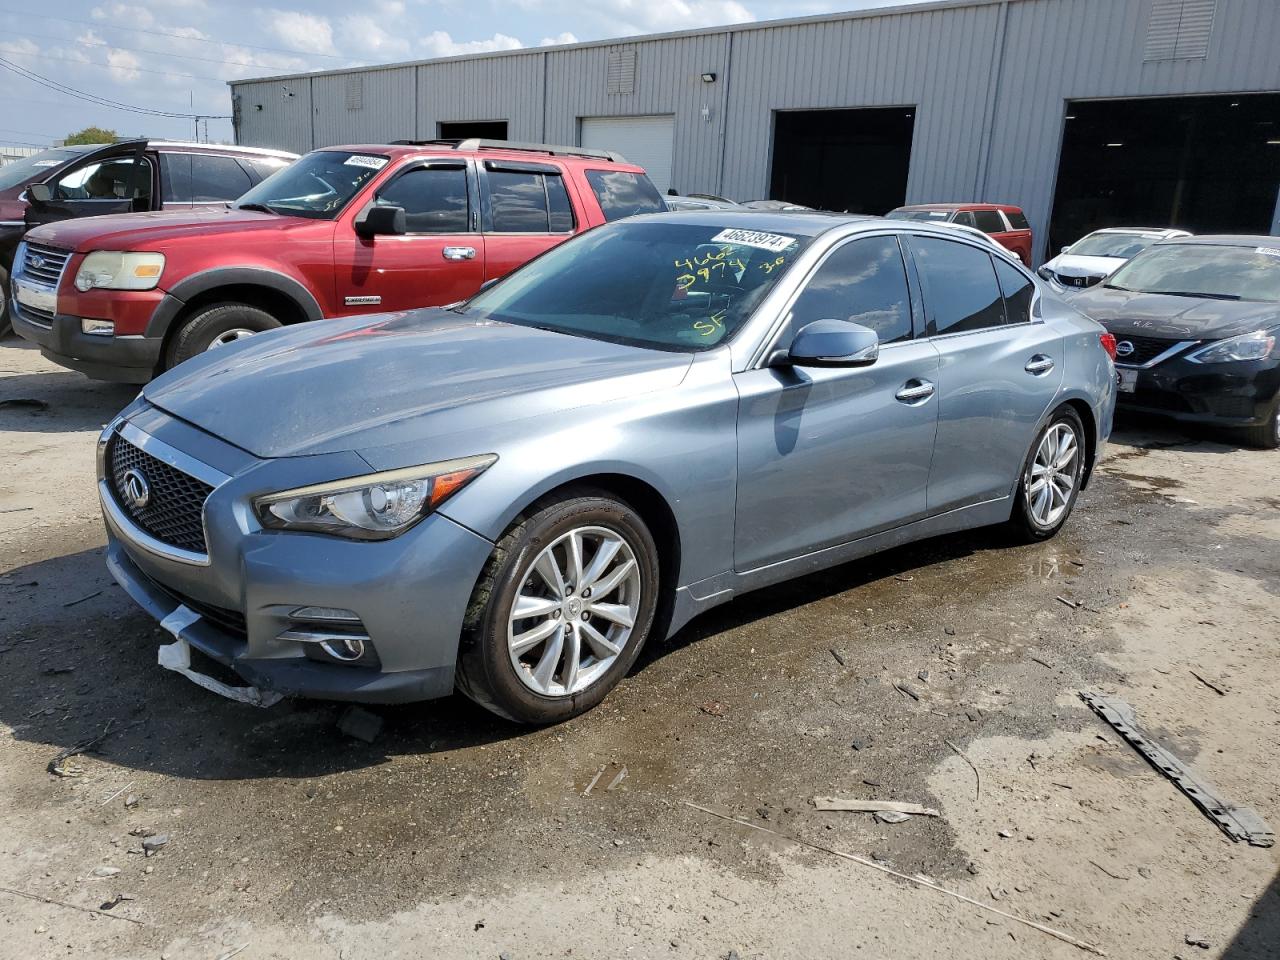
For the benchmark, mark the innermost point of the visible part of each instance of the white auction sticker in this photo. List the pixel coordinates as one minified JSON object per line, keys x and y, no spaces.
{"x":775,"y":242}
{"x":47,"y":163}
{"x":1269,"y":251}
{"x":361,"y":160}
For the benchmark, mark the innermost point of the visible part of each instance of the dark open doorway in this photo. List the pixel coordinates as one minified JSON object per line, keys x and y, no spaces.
{"x":466,"y":129}
{"x":849,"y":160}
{"x":1205,"y":164}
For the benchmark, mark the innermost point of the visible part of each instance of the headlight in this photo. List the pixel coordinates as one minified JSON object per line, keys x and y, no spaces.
{"x":1251,"y":346}
{"x":114,"y":270}
{"x":1045,"y":273}
{"x":374,"y":507}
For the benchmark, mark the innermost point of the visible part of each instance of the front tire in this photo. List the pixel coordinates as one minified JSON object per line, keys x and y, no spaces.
{"x":6,"y":325}
{"x":562,"y":609}
{"x":214,"y":326}
{"x":1267,"y":436}
{"x":1050,"y":481}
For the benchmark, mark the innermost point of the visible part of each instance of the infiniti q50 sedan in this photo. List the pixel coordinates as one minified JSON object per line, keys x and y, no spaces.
{"x":509,"y":496}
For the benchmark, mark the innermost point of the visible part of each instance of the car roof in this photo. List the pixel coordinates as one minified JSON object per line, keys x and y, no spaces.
{"x":579,"y":156}
{"x":1143,"y":231}
{"x":192,"y":146}
{"x":1226,"y":240}
{"x":960,"y":206}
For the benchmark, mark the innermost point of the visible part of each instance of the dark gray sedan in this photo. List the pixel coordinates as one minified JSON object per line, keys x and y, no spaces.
{"x":511,"y":495}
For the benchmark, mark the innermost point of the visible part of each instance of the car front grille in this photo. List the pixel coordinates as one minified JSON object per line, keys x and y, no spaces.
{"x":44,"y":265}
{"x":1145,"y":349}
{"x":1067,"y":281}
{"x":172,"y":510}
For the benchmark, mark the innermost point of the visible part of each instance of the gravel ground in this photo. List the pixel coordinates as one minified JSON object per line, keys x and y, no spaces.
{"x":946,"y":673}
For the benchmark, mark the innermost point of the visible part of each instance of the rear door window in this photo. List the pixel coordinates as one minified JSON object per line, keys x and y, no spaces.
{"x":1017,"y":220}
{"x":175,"y":178}
{"x":989,"y":221}
{"x":965,"y":218}
{"x":1017,"y":289}
{"x":527,"y":201}
{"x":216,"y":179}
{"x":623,"y":194}
{"x":960,"y":288}
{"x":434,"y":198}
{"x":864,"y":281}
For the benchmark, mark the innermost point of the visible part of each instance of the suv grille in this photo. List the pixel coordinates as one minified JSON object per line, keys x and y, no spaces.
{"x":174,"y":509}
{"x":45,"y":264}
{"x":1145,"y":349}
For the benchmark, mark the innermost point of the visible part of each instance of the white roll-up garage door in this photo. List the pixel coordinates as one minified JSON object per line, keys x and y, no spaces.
{"x":648,"y":141}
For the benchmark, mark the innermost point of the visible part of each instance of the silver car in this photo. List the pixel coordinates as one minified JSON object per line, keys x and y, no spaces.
{"x":510,"y":496}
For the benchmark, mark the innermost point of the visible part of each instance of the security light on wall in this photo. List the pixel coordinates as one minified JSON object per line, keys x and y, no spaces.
{"x":708,"y":78}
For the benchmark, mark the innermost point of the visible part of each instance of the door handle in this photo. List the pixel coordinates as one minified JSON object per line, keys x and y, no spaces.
{"x":1039,"y":365}
{"x":915,"y":391}
{"x":458,"y":253}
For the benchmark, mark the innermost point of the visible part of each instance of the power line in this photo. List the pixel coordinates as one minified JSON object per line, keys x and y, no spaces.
{"x":108,"y":66}
{"x":150,"y":53}
{"x":175,"y":36}
{"x":25,"y":133}
{"x":100,"y":101}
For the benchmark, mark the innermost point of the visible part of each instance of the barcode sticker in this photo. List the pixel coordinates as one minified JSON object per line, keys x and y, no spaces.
{"x":361,"y":160}
{"x":775,"y":242}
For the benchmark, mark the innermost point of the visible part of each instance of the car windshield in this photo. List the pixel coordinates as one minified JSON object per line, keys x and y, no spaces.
{"x":1204,"y":270}
{"x":317,"y":186}
{"x":1124,"y":245}
{"x":934,"y":215}
{"x":35,"y":167}
{"x":664,"y":285}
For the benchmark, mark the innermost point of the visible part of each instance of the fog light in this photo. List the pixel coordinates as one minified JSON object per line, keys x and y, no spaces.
{"x":98,"y":328}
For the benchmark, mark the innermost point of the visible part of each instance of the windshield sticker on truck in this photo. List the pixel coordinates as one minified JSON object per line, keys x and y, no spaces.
{"x":774,"y":242}
{"x":362,"y":160}
{"x":1269,"y":251}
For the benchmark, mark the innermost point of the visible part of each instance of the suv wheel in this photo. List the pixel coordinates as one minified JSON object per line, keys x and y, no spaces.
{"x":214,"y":326}
{"x":1050,"y":479}
{"x":561,"y":611}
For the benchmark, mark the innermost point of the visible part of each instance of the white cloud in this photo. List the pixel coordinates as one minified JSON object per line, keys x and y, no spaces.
{"x":440,"y":44}
{"x":366,"y":36}
{"x":302,"y":31}
{"x":559,"y":38}
{"x":648,"y":16}
{"x":124,"y":66}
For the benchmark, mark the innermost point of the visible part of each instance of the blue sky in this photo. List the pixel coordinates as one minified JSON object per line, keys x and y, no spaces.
{"x":175,"y":55}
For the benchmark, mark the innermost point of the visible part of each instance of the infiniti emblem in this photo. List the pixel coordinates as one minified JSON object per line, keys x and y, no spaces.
{"x":136,"y":489}
{"x":1124,"y":348}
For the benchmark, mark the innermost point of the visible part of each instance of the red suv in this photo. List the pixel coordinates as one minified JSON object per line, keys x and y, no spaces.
{"x":1003,"y":222}
{"x":344,"y":230}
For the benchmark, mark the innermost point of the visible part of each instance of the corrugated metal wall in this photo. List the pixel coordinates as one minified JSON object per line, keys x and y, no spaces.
{"x":989,"y":81}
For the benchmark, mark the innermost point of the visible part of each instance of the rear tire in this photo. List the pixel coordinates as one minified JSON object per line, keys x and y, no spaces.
{"x":1050,"y":480}
{"x":574,"y":646}
{"x":212,"y":326}
{"x":6,"y":325}
{"x":1267,"y":436}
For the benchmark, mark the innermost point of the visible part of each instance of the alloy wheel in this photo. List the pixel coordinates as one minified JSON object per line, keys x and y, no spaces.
{"x":1053,"y":474}
{"x":575,"y":611}
{"x":230,"y":336}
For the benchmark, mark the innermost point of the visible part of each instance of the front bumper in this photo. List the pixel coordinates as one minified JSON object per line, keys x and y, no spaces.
{"x":411,"y":593}
{"x":124,"y":359}
{"x":1235,"y":394}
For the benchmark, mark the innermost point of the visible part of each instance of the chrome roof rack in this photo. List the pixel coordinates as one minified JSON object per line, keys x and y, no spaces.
{"x":477,"y":143}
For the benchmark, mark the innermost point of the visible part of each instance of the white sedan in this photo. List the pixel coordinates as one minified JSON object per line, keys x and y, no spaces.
{"x":1099,"y":254}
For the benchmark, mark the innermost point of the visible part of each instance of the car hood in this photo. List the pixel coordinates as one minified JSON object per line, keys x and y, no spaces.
{"x":1124,"y":312}
{"x":1070,"y":266}
{"x":149,"y":231}
{"x":363,"y":383}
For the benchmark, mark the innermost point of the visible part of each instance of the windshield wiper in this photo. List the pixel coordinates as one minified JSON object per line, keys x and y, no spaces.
{"x":1112,"y":286}
{"x":262,"y":207}
{"x":1206,"y":296}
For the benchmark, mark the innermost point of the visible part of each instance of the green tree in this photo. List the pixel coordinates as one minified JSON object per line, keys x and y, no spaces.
{"x":91,"y":135}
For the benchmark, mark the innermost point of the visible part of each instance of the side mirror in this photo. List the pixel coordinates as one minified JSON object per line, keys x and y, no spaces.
{"x":487,"y":284}
{"x":40,"y":193}
{"x":377,"y":219}
{"x":834,"y":343}
{"x":1066,"y":249}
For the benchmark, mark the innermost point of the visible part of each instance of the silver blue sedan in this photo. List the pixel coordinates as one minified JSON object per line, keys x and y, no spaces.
{"x":510,"y":496}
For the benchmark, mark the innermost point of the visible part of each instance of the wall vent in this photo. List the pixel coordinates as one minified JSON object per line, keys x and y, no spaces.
{"x":355,"y":91}
{"x":1179,"y":29}
{"x":622,"y":72}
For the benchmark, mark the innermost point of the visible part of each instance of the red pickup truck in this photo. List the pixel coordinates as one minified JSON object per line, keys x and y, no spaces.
{"x":344,"y":230}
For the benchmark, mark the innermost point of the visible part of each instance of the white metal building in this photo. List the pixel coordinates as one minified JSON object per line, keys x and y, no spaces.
{"x":1084,"y":112}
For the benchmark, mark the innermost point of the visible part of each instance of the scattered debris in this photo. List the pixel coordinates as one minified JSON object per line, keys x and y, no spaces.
{"x":919,"y":881}
{"x":594,"y":780}
{"x":103,"y":872}
{"x":840,"y":805}
{"x":973,"y":870}
{"x":1219,"y":690}
{"x":1238,"y":823}
{"x":949,"y":630}
{"x":1196,"y":941}
{"x":1040,"y":660}
{"x":360,"y":723}
{"x":977,"y":791}
{"x":72,"y":603}
{"x":26,"y":403}
{"x":16,"y":509}
{"x":69,"y":906}
{"x":176,"y":656}
{"x":1113,"y":876}
{"x":231,"y":953}
{"x":120,"y":791}
{"x":1073,"y":604}
{"x":153,"y":843}
{"x":839,"y":659}
{"x":55,"y":767}
{"x":859,"y":744}
{"x":923,"y":676}
{"x":115,"y":901}
{"x":905,"y":579}
{"x":616,"y":780}
{"x":714,"y":708}
{"x":1144,"y":873}
{"x":907,"y":691}
{"x":891,"y":816}
{"x":131,"y":801}
{"x":1006,"y":834}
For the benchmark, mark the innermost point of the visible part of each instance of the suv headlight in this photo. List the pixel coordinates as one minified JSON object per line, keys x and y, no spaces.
{"x":116,"y":270}
{"x":1250,"y":346}
{"x":378,"y":506}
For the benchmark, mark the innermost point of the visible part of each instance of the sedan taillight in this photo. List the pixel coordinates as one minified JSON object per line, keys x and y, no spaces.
{"x":1108,"y":341}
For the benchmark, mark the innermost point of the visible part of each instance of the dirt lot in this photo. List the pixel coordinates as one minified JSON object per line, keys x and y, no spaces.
{"x":456,"y":835}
